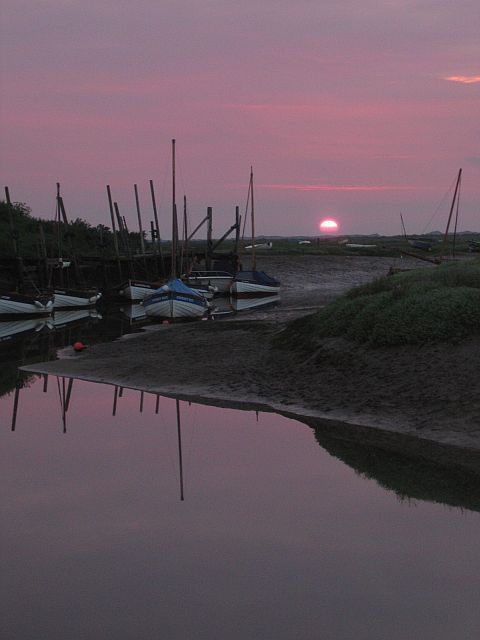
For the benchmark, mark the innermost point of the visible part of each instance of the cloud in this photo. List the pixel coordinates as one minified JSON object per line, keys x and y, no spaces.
{"x":333,"y":187}
{"x":463,"y":79}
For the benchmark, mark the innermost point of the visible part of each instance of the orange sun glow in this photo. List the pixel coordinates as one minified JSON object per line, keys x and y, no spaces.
{"x":328,"y":226}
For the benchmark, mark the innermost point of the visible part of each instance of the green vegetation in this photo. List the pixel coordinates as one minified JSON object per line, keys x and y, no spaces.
{"x":77,"y":237}
{"x":427,"y":305}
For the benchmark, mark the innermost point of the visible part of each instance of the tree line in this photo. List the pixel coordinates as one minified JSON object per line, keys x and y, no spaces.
{"x":24,"y":235}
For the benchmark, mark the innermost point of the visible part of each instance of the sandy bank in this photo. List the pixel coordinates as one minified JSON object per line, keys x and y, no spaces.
{"x":428,"y":396}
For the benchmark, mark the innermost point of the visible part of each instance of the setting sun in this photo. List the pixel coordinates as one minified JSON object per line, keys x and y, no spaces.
{"x":328,"y":226}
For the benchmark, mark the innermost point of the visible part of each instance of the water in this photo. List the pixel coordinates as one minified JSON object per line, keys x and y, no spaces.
{"x":276,"y":538}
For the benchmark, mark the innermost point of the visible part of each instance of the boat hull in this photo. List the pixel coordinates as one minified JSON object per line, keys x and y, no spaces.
{"x":240,"y":289}
{"x":65,"y":299}
{"x":137,"y":289}
{"x":170,"y":305}
{"x":15,"y":304}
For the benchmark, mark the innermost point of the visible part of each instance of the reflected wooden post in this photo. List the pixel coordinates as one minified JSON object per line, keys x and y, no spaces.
{"x":157,"y":403}
{"x":115,"y":398}
{"x":15,"y":406}
{"x":141,"y":401}
{"x":69,"y":393}
{"x":63,"y":401}
{"x":177,"y":404}
{"x":45,"y":382}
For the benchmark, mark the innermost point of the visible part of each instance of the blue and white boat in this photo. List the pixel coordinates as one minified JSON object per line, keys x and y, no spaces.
{"x":174,"y":300}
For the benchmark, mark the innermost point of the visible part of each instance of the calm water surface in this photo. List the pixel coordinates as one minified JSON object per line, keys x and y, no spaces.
{"x":274,"y":539}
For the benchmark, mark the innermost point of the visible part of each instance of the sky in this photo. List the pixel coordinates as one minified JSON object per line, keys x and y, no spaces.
{"x":352,"y":110}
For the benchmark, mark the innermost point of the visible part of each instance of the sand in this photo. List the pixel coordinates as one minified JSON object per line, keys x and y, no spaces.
{"x":421,"y":400}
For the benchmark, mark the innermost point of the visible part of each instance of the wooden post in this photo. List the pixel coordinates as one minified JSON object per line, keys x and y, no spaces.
{"x":137,"y":203}
{"x":152,"y":235}
{"x":185,"y":265}
{"x":155,"y":214}
{"x":209,"y":239}
{"x":114,"y":231}
{"x":157,"y":228}
{"x":237,"y":228}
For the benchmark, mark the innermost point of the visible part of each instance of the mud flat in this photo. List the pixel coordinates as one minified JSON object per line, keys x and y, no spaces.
{"x":423,"y":401}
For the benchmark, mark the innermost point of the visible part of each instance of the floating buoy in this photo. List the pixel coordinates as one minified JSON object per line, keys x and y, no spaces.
{"x":79,"y":346}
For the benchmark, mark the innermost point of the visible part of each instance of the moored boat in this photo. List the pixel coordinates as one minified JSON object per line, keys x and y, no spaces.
{"x":75,"y":298}
{"x":252,"y":284}
{"x":174,"y":300}
{"x":137,"y":289}
{"x":14,"y":304}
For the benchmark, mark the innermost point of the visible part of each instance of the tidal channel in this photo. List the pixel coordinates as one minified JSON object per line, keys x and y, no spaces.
{"x":126,"y":515}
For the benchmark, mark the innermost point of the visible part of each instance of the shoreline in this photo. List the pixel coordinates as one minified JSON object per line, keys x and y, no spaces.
{"x":422,"y":407}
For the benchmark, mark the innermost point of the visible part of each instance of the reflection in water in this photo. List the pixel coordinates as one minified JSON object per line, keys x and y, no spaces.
{"x":27,"y":341}
{"x":275,"y":537}
{"x":408,"y":476}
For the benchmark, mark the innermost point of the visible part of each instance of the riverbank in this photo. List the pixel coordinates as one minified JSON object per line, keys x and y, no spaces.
{"x":428,"y":394}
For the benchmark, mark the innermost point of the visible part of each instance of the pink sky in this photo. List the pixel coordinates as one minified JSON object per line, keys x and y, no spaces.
{"x":352,"y":110}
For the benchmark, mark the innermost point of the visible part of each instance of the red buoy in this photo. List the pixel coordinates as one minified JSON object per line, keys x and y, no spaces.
{"x":78,"y":346}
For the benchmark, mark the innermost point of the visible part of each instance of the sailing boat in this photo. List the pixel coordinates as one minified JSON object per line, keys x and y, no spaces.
{"x":69,"y":298}
{"x":251,"y":284}
{"x":174,"y":300}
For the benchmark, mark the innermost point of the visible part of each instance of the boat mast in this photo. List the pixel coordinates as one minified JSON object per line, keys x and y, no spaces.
{"x":457,"y":187}
{"x":254,"y":253}
{"x":174,"y":218}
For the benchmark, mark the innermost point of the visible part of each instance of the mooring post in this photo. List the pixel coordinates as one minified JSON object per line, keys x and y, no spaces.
{"x":209,"y":239}
{"x":114,"y":230}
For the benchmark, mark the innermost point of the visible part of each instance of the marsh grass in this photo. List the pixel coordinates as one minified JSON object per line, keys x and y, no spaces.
{"x":426,"y":305}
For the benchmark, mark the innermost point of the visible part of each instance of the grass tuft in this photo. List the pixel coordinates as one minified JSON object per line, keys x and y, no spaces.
{"x":423,"y":306}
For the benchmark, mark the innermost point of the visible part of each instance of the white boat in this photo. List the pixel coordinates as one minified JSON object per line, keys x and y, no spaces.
{"x":75,"y":298}
{"x":253,"y":283}
{"x":138,"y":289}
{"x":13,"y":304}
{"x":220,"y":280}
{"x":174,"y":300}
